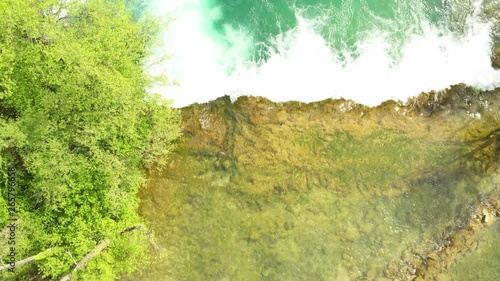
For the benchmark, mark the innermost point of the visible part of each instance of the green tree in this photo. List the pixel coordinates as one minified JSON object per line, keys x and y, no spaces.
{"x":79,"y":128}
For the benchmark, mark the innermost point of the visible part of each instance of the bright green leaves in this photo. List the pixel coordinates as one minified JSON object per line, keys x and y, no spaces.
{"x":78,"y":125}
{"x":158,"y":115}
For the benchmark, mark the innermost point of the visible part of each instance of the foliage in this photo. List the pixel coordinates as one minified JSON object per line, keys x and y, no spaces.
{"x":79,"y":128}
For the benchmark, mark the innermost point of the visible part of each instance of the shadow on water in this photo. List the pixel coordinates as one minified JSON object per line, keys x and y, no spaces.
{"x":473,"y":184}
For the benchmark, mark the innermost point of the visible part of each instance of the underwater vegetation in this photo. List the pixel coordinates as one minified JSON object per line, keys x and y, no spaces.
{"x":330,"y":190}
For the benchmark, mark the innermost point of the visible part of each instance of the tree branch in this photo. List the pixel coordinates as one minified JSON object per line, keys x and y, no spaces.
{"x":100,"y":247}
{"x":26,"y":260}
{"x":148,"y":234}
{"x":38,"y":256}
{"x":87,"y":257}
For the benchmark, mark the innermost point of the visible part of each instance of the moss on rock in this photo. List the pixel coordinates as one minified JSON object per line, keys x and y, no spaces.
{"x":327,"y":190}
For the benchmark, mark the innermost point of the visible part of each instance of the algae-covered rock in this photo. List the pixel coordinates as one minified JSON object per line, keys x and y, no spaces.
{"x":259,"y":190}
{"x":458,"y":245}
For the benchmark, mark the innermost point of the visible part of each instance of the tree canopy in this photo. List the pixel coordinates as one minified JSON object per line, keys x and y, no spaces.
{"x":77,"y":131}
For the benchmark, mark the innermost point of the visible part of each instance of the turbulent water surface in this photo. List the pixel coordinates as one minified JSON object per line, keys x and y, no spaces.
{"x":306,"y":50}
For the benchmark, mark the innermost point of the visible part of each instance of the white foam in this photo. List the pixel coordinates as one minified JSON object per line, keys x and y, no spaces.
{"x":303,"y":68}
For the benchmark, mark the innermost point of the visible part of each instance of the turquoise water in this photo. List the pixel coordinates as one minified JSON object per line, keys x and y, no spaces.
{"x":343,"y":24}
{"x":364,"y":50}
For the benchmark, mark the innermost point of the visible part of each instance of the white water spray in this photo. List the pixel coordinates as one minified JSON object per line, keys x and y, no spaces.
{"x":304,"y":68}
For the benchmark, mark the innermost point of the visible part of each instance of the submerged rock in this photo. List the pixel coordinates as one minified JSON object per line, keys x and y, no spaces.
{"x":259,"y":190}
{"x":458,"y":244}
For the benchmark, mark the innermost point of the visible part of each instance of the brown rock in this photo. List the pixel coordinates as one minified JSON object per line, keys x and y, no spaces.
{"x":473,"y":246}
{"x":431,"y":262}
{"x":496,"y":62}
{"x":433,"y":256}
{"x":456,"y":239}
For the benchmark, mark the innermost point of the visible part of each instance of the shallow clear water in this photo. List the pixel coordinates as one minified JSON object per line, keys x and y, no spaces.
{"x":309,"y":50}
{"x":342,"y":197}
{"x":484,"y":264}
{"x":212,"y":229}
